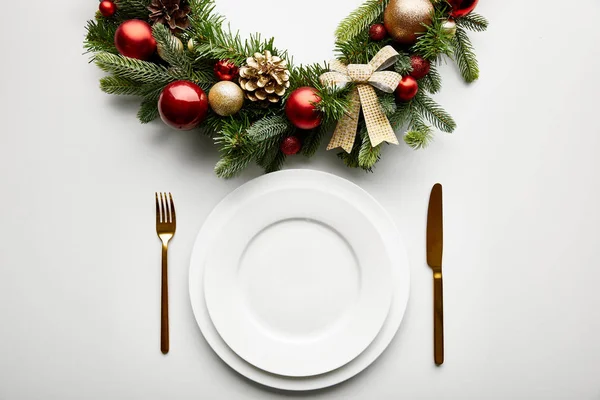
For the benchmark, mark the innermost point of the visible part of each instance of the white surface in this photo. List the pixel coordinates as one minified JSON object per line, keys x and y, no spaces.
{"x":297,"y":276}
{"x":400,"y":280}
{"x":80,"y":262}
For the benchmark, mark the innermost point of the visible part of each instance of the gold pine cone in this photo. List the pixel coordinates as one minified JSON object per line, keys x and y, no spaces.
{"x":265,"y":77}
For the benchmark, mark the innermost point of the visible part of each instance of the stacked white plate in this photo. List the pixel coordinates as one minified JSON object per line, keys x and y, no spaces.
{"x":299,"y":280}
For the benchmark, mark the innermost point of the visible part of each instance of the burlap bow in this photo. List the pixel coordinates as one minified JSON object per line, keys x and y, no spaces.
{"x":366,"y":76}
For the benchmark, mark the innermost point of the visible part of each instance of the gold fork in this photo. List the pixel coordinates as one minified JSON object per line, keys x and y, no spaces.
{"x":165,"y":228}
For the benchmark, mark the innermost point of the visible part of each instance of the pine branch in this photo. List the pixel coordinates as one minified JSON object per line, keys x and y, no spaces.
{"x":132,"y":9}
{"x":213,"y":123}
{"x":429,"y":109}
{"x":334,"y":103}
{"x":135,"y":70}
{"x":306,"y":75}
{"x":203,"y":72}
{"x":204,"y":11}
{"x":236,"y":147}
{"x":182,"y":65}
{"x":100,"y":36}
{"x":204,"y":21}
{"x":435,"y":40}
{"x":152,"y":90}
{"x":314,"y":138}
{"x":239,"y":149}
{"x":420,"y":134}
{"x":387,"y":101}
{"x":233,"y":135}
{"x":360,"y":50}
{"x":351,"y":159}
{"x":418,"y":140}
{"x":368,"y":155}
{"x":277,"y":163}
{"x":432,"y":82}
{"x":148,"y":110}
{"x":267,"y":152}
{"x":360,"y":20}
{"x":169,"y":51}
{"x":217,"y":43}
{"x":473,"y":22}
{"x":267,"y":128}
{"x":401,"y":116}
{"x":465,"y":57}
{"x":120,"y":86}
{"x":403,"y":65}
{"x":232,"y":165}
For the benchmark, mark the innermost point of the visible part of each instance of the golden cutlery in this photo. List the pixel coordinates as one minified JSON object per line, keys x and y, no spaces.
{"x":435,"y":247}
{"x":165,"y":228}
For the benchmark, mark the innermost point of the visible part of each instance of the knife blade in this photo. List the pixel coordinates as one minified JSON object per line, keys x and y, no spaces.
{"x":435,"y":248}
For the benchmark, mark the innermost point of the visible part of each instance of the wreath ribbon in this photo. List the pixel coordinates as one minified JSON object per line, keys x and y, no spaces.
{"x":367,"y":77}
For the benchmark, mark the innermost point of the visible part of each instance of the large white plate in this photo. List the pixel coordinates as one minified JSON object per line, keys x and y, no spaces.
{"x":290,"y":180}
{"x":298,"y":281}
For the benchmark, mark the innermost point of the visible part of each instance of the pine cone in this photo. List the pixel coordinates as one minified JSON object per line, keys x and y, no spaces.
{"x":265,"y":77}
{"x":170,"y":12}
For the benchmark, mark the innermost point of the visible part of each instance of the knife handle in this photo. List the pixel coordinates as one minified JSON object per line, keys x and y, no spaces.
{"x":438,"y":318}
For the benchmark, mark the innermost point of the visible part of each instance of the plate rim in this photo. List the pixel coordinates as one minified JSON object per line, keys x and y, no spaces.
{"x":381,"y":290}
{"x":401,"y":293}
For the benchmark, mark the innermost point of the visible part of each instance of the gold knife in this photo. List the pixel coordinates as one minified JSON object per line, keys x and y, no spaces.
{"x":435,"y":247}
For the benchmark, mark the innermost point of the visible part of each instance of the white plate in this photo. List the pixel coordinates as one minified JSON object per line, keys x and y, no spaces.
{"x":298,"y":282}
{"x":290,"y":180}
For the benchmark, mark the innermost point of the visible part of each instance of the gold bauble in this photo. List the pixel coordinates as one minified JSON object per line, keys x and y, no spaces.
{"x":191,"y":45}
{"x":404,"y":19}
{"x":175,"y":42}
{"x":226,"y":98}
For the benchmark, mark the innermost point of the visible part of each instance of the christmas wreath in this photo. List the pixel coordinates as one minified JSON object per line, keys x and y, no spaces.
{"x":261,"y":108}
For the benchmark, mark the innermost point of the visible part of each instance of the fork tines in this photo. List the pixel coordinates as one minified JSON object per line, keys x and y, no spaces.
{"x":165,"y":209}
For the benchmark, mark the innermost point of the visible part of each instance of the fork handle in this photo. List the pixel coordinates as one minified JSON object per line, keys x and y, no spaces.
{"x":438,"y":318}
{"x":164,"y":303}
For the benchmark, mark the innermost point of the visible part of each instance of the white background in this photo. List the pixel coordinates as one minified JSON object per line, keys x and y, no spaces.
{"x":79,"y":257}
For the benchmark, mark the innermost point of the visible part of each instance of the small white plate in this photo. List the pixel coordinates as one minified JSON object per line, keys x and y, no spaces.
{"x":393,"y":247}
{"x":298,"y":283}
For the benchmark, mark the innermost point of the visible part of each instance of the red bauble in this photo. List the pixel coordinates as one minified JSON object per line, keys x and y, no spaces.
{"x":107,"y":8}
{"x":407,"y":89}
{"x":226,"y":70}
{"x":377,"y":32}
{"x":460,"y":8}
{"x":420,"y":67}
{"x":183,"y":105}
{"x":134,"y":39}
{"x":301,"y":110}
{"x":291,"y":145}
